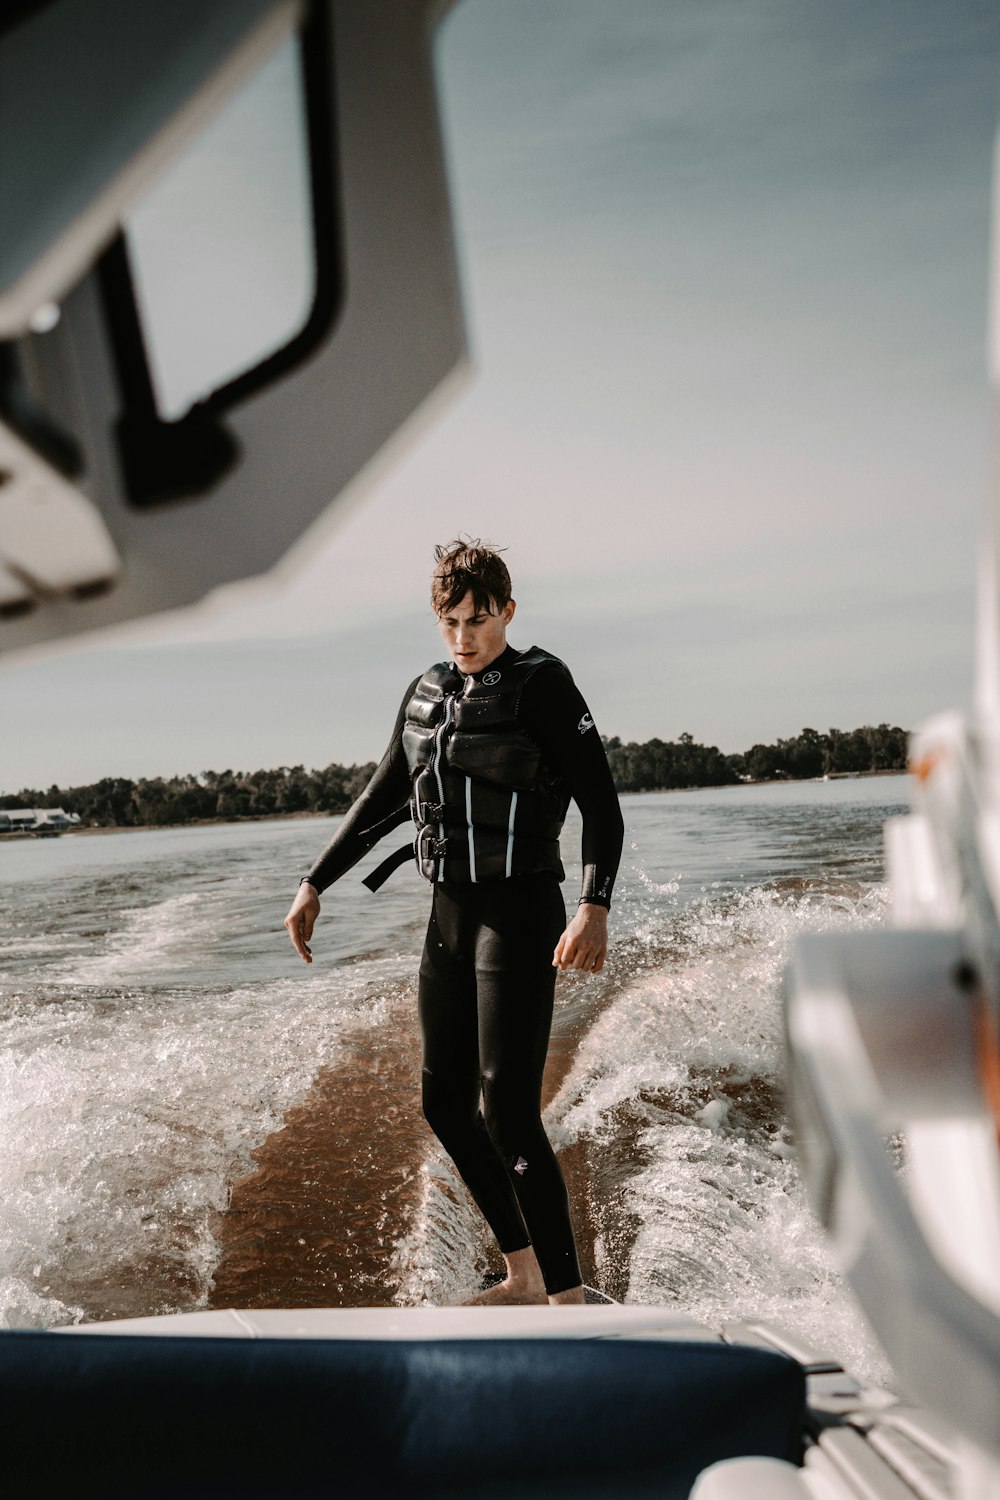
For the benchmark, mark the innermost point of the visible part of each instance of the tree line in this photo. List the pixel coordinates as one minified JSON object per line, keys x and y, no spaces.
{"x":662,"y":765}
{"x":117,"y":802}
{"x":655,"y":765}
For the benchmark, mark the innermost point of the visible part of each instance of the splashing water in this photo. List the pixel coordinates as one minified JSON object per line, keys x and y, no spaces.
{"x":154,"y":1029}
{"x":678,"y":1089}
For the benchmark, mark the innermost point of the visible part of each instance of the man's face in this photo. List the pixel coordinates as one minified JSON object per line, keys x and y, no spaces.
{"x":473,"y":637}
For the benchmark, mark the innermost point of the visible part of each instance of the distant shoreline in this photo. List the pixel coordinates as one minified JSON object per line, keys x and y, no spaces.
{"x":89,"y":829}
{"x":92,"y":829}
{"x":734,"y":786}
{"x":656,"y":765}
{"x":282,"y":817}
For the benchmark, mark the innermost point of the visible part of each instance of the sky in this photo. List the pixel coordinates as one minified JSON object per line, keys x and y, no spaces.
{"x":725,"y":267}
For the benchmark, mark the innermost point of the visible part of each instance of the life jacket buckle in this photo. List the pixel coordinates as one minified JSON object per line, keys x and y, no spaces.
{"x":428,"y":847}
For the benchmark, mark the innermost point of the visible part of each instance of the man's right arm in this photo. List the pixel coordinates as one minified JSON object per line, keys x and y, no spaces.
{"x":360,"y":829}
{"x":373,"y":814}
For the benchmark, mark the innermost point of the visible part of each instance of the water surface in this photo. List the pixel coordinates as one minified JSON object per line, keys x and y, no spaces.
{"x":192,"y":1117}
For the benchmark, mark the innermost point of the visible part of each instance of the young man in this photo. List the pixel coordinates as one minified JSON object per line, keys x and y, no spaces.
{"x":488,"y":750}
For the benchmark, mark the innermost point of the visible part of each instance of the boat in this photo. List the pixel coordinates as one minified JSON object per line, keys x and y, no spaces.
{"x":114,"y":507}
{"x":600,"y":1401}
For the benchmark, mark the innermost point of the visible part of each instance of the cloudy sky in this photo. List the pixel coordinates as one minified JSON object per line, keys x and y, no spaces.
{"x":725,"y":267}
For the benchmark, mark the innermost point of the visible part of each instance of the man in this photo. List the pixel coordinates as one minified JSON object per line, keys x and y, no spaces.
{"x":487,"y":752}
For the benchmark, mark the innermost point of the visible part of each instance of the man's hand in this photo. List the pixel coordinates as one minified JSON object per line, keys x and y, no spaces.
{"x":584,"y":944}
{"x":300,"y":920}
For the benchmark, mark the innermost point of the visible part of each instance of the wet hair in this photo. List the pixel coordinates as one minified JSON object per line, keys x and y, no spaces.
{"x":469,"y":566}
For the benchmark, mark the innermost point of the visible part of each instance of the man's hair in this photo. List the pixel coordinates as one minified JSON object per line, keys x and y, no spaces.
{"x":473,"y":567}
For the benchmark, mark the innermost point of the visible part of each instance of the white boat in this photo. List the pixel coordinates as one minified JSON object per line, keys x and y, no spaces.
{"x":887,"y":1032}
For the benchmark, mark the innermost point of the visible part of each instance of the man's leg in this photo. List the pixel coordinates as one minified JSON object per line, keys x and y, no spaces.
{"x":516,"y":985}
{"x":451,"y":1085}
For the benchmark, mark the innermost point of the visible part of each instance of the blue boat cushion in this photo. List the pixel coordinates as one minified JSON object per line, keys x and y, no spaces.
{"x":144,"y":1416}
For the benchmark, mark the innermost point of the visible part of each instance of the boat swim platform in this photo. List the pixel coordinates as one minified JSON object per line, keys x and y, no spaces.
{"x":543,"y":1322}
{"x":481,"y":1403}
{"x":603,"y":1402}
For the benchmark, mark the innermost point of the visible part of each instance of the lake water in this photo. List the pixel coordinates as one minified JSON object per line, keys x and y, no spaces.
{"x":191,"y":1117}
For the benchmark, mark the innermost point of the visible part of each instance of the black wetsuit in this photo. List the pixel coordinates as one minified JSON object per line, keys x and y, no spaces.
{"x":487,"y":981}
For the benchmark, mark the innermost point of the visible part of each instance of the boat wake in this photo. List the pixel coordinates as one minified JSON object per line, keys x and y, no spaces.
{"x":126,"y":1117}
{"x":672,"y":1121}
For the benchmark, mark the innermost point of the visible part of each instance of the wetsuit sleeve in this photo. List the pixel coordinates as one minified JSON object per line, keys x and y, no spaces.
{"x":376,"y":811}
{"x":554,"y":713}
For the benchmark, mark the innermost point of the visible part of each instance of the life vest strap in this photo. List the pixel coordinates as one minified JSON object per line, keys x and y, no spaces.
{"x":381,"y":873}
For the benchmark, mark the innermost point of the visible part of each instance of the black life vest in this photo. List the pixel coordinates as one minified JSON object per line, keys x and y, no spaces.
{"x":485,"y":805}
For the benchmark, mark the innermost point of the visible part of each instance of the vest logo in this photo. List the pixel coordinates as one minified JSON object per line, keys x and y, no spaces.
{"x":489,"y":678}
{"x":585,"y":723}
{"x":520,"y":1166}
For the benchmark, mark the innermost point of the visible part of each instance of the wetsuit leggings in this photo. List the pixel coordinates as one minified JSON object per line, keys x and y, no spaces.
{"x":486,"y":992}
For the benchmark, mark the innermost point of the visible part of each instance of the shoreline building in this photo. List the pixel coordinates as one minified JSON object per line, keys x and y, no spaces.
{"x":36,"y":819}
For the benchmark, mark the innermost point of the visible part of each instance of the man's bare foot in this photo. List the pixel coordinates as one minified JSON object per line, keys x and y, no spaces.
{"x":574,"y":1297}
{"x":506,"y":1294}
{"x":521,"y":1287}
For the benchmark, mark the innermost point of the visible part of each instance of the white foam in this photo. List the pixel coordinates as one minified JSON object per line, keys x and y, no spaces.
{"x":725,"y":1228}
{"x":150,"y":939}
{"x":22,"y":1307}
{"x":125,"y":1118}
{"x":708,"y":1000}
{"x":439,"y":1261}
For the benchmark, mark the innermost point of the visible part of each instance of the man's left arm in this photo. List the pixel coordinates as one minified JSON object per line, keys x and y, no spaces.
{"x":555,"y":714}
